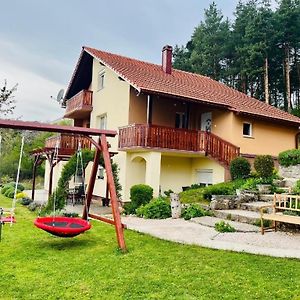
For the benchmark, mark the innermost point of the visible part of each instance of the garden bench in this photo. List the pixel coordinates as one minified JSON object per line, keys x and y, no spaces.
{"x":285,"y":209}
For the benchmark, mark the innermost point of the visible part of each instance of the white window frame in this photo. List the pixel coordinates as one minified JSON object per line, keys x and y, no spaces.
{"x":101,"y":118}
{"x":101,"y":79}
{"x":250,"y":130}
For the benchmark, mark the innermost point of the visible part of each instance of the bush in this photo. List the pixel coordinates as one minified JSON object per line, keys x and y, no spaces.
{"x":20,"y":186}
{"x":264,"y":166}
{"x":250,"y":184}
{"x":224,"y":188}
{"x":193,"y":211}
{"x":10,"y":192}
{"x":129,"y":209}
{"x":168,"y":192}
{"x":289,"y":157}
{"x":296,"y":189}
{"x":191,"y":196}
{"x":25,"y":201}
{"x":32,"y":206}
{"x":157,"y":208}
{"x":239,"y":168}
{"x":140,"y":194}
{"x":21,"y":195}
{"x":222,"y":226}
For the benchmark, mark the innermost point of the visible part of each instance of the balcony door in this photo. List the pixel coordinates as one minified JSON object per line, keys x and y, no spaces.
{"x":206,"y":120}
{"x":180,"y":120}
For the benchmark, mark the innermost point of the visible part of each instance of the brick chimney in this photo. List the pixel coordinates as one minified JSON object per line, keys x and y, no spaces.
{"x":167,"y":59}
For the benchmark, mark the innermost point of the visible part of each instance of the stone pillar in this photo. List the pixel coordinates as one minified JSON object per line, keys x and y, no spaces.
{"x":175,"y":206}
{"x":152,"y":177}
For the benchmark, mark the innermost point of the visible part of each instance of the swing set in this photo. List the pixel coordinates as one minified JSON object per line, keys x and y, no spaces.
{"x":66,"y":226}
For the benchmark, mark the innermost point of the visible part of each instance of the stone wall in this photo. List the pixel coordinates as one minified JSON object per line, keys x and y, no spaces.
{"x":291,"y":174}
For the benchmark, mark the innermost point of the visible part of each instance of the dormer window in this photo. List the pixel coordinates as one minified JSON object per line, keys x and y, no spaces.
{"x":101,"y":80}
{"x":247,"y":129}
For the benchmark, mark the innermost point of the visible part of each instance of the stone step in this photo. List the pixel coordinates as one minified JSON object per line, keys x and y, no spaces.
{"x":239,"y":215}
{"x":266,"y":197}
{"x":254,"y":206}
{"x":239,"y":227}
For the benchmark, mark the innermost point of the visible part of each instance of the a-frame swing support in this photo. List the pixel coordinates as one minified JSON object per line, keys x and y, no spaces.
{"x":101,"y":146}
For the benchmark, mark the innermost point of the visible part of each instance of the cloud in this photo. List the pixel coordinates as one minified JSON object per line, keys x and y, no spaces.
{"x":33,"y":94}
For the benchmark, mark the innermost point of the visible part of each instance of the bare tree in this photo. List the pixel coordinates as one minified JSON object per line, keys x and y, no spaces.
{"x":7,"y":99}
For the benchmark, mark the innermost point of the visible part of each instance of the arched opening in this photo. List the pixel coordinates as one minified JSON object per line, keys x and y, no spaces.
{"x":138,"y":170}
{"x":297,"y":140}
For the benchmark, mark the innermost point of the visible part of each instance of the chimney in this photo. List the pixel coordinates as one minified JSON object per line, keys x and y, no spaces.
{"x":167,"y":59}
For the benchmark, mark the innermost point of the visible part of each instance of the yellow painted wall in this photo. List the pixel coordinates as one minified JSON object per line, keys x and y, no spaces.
{"x":268,"y":138}
{"x":112,"y":100}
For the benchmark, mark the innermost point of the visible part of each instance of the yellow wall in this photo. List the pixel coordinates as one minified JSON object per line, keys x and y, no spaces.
{"x":112,"y":100}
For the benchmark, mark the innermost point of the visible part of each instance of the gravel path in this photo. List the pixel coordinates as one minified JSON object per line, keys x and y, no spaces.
{"x":278,"y":244}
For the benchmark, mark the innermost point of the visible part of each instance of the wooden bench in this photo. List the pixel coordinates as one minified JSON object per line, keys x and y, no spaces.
{"x":282,"y":203}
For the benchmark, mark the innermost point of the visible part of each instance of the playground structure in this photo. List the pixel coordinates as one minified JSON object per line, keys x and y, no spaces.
{"x":100,"y":147}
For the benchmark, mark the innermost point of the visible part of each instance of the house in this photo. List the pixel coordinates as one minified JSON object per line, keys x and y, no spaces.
{"x":175,"y":128}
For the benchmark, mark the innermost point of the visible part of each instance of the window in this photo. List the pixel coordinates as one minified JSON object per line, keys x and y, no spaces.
{"x":205,"y":176}
{"x":180,"y":120}
{"x":101,"y":80}
{"x":103,"y":122}
{"x":247,"y":129}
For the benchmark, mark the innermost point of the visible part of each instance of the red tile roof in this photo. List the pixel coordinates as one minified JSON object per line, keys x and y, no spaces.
{"x":150,"y":78}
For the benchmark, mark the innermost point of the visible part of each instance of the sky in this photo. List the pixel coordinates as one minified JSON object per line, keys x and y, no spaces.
{"x":40,"y":41}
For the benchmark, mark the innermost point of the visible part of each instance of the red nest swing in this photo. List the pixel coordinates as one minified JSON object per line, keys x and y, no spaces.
{"x":62,"y":226}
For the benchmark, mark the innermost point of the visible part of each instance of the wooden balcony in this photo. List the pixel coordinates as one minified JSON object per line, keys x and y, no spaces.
{"x":80,"y":105}
{"x":158,"y":137}
{"x":67,"y":144}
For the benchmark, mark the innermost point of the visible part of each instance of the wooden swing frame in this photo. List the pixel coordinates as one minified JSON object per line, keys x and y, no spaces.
{"x":101,"y":147}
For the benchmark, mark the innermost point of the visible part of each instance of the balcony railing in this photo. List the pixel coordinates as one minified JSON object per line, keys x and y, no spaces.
{"x":159,"y":137}
{"x":67,"y":143}
{"x":80,"y":105}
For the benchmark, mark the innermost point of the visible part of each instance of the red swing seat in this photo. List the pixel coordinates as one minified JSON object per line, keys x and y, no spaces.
{"x":62,"y":226}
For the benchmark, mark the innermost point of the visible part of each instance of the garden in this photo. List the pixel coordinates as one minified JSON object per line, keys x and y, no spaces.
{"x":36,"y":265}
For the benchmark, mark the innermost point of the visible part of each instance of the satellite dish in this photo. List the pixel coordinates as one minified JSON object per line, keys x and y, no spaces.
{"x":60,"y":97}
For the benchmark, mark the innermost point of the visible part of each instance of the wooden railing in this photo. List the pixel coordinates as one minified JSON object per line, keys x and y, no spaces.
{"x":153,"y":136}
{"x":82,"y":101}
{"x":67,"y":142}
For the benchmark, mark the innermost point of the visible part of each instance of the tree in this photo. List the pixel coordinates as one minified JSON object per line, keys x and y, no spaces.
{"x":7,"y":99}
{"x":209,"y":40}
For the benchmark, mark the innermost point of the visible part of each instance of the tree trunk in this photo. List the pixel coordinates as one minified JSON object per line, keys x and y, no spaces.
{"x":287,"y":78}
{"x":266,"y":81}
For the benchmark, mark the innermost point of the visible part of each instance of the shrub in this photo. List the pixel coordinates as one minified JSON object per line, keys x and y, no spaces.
{"x":157,"y":208}
{"x":264,"y":166}
{"x":224,"y":188}
{"x":129,"y":209}
{"x":250,"y":184}
{"x":191,"y":196}
{"x":140,"y":194}
{"x":5,"y":179}
{"x":25,"y":201}
{"x":21,"y":195}
{"x":289,"y":157}
{"x":168,"y":192}
{"x":296,"y":189}
{"x":240,"y":168}
{"x":9,"y":193}
{"x":193,"y":211}
{"x":32,"y":206}
{"x":222,"y":226}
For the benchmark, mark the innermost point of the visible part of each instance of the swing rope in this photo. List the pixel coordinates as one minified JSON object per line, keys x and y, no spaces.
{"x":55,"y":158}
{"x":17,"y":182}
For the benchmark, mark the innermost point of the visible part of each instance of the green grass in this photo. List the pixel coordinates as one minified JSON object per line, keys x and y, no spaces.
{"x":36,"y":265}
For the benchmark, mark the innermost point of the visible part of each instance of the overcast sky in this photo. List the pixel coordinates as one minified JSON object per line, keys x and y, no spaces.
{"x":40,"y":41}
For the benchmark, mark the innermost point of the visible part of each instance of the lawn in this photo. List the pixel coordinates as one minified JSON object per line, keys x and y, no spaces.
{"x":36,"y":265}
